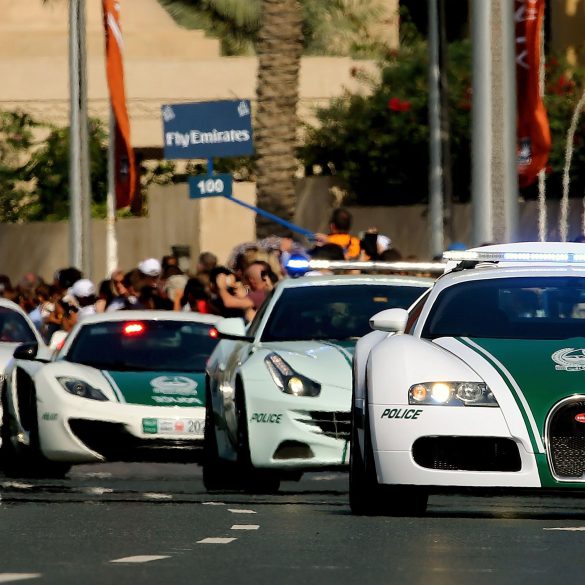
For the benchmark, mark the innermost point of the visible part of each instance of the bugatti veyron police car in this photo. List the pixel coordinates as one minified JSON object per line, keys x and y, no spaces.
{"x":480,"y":384}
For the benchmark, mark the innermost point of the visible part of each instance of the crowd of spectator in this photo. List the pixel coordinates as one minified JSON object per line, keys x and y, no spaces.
{"x":236,"y":289}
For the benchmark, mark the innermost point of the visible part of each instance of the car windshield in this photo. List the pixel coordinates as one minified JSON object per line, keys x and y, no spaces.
{"x":14,"y":327}
{"x":510,"y":308}
{"x":339,"y":311}
{"x":174,"y":346}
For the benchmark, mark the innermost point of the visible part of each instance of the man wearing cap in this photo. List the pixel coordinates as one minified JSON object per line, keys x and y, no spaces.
{"x":151,"y":292}
{"x":85,"y":294}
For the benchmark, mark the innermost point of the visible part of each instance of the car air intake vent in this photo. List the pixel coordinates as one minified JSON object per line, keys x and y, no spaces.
{"x":332,"y":424}
{"x":467,"y":453}
{"x":566,"y":440}
{"x":293,"y":450}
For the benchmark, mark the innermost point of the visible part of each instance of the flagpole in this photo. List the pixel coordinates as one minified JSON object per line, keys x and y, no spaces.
{"x":75,"y":213}
{"x":111,"y":236}
{"x":436,"y":214}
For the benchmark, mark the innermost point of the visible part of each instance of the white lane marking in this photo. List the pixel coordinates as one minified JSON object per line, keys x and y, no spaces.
{"x":324,"y":477}
{"x":17,"y":485}
{"x":11,"y":577}
{"x":141,"y":559}
{"x":98,"y":474}
{"x":240,"y":511}
{"x":245,"y":527}
{"x":97,"y":491}
{"x":213,"y":503}
{"x":155,"y":496}
{"x":216,"y":540}
{"x":568,"y":528}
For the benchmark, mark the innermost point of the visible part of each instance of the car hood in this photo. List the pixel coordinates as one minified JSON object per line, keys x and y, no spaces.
{"x":158,"y":388}
{"x":545,"y":371}
{"x":326,"y":362}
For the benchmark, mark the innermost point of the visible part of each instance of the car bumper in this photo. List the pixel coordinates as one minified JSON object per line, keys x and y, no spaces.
{"x":291,"y":432}
{"x":77,"y":430}
{"x":449,"y":446}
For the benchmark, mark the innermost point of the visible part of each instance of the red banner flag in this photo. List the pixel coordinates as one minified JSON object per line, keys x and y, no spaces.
{"x":533,"y":129}
{"x":125,"y":164}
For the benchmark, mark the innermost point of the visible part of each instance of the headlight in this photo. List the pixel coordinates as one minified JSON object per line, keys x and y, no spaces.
{"x":452,"y":394}
{"x":80,"y":388}
{"x":289,"y":381}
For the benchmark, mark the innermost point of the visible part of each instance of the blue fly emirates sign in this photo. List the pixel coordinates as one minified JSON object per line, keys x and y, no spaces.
{"x":207,"y":129}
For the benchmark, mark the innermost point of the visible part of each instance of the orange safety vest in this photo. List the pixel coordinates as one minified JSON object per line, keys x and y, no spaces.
{"x":350,"y":244}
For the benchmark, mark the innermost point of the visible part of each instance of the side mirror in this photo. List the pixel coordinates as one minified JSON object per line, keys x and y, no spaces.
{"x":26,"y":351}
{"x":390,"y":320}
{"x":233,"y":328}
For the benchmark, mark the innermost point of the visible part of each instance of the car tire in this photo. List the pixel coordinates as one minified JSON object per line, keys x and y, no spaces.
{"x":8,"y":452}
{"x":216,"y":472}
{"x":27,"y":460}
{"x":251,"y":479}
{"x":366,"y":496}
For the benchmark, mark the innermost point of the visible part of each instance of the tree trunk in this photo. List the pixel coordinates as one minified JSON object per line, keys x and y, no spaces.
{"x":279,"y":58}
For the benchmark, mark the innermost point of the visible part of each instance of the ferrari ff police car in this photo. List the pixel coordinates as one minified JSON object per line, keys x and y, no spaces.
{"x":279,"y":392}
{"x":126,"y":385}
{"x":480,"y":384}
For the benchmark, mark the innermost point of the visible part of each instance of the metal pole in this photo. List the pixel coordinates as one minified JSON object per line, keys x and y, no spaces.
{"x":510,"y":168}
{"x":111,"y":239}
{"x":481,"y":140}
{"x":86,"y":236}
{"x":75,"y":218}
{"x":435,"y":168}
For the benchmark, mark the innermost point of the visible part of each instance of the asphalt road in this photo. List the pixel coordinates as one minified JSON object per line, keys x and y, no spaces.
{"x":154,"y":523}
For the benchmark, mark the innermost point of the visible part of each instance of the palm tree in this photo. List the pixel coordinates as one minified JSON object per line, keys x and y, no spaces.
{"x":280,"y":45}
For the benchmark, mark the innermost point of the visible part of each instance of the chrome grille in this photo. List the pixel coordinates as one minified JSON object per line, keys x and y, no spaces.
{"x":566,"y":441}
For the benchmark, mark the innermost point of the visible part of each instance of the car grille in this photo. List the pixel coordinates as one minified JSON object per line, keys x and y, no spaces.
{"x":467,"y":453}
{"x":336,"y":425}
{"x":566,"y":441}
{"x":115,"y":443}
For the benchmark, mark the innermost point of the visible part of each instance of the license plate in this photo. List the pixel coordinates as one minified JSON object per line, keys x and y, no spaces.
{"x":172,"y":426}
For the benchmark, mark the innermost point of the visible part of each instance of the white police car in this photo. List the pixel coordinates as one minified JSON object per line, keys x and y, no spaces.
{"x":279,"y":392}
{"x":480,"y":384}
{"x":126,"y":385}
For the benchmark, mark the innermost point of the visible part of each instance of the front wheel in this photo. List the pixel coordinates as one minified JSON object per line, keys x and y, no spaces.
{"x":367,"y":497}
{"x":216,"y":472}
{"x":19,"y":460}
{"x":252,"y":479}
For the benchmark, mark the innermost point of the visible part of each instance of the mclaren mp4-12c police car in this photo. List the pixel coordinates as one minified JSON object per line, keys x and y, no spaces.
{"x":126,"y":385}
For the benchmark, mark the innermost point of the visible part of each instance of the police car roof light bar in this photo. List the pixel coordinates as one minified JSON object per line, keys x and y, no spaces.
{"x":485,"y":256}
{"x":366,"y":266}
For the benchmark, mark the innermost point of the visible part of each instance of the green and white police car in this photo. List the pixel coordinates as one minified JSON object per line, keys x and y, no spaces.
{"x":481,"y":384}
{"x":126,"y":385}
{"x":279,"y":391}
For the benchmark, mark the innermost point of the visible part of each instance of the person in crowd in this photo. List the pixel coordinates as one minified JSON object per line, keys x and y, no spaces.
{"x":64,"y":278}
{"x":259,"y":281}
{"x":339,"y":233}
{"x":67,"y":315}
{"x":129,"y":292}
{"x":110,"y":290}
{"x":44,"y":305}
{"x":6,"y":289}
{"x":85,"y":294}
{"x":174,"y":286}
{"x":150,"y":291}
{"x":205,"y":264}
{"x":228,"y":295}
{"x":195,"y":297}
{"x":332,"y":252}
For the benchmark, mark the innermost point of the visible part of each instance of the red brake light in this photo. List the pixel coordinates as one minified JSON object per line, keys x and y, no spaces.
{"x":133,"y":329}
{"x":213,"y":333}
